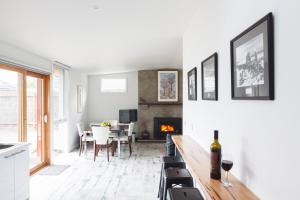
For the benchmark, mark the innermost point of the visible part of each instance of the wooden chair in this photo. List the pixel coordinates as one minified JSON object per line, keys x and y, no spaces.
{"x":102,"y":140}
{"x":84,"y":138}
{"x":128,"y":138}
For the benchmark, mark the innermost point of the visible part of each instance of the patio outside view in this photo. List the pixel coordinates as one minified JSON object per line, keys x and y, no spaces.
{"x":10,"y":106}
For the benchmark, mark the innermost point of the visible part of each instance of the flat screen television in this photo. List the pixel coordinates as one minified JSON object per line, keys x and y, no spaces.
{"x":133,"y":115}
{"x":127,"y":116}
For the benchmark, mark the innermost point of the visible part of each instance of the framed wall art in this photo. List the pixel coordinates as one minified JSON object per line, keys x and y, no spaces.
{"x":192,"y":84}
{"x":167,"y":86}
{"x":209,"y":75}
{"x":252,"y":62}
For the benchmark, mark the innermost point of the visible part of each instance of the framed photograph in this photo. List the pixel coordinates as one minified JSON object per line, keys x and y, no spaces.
{"x":209,"y":75}
{"x":167,"y":86}
{"x":252,"y":62}
{"x":192,"y":84}
{"x":80,"y":98}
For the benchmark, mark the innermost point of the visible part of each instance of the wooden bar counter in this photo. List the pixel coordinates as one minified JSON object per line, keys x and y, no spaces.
{"x":198,"y":162}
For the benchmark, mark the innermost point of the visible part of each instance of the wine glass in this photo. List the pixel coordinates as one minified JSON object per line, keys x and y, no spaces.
{"x":227,"y":164}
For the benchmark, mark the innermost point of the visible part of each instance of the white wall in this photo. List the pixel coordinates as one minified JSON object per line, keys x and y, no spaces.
{"x":20,"y":56}
{"x":105,"y":106}
{"x":75,"y":78}
{"x":262,"y":136}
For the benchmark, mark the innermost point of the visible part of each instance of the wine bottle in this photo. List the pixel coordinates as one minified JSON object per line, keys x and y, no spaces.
{"x":215,"y":157}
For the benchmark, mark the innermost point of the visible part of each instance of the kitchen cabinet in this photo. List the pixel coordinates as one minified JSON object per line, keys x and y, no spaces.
{"x":7,"y":177}
{"x":14,"y":173}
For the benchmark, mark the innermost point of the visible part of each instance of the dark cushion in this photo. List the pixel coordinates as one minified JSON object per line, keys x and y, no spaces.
{"x":184,"y":194}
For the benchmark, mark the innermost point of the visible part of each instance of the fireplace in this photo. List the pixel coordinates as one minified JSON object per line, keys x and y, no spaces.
{"x":166,"y":125}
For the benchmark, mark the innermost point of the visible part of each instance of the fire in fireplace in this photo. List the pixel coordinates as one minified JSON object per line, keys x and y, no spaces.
{"x":166,"y":125}
{"x":166,"y":128}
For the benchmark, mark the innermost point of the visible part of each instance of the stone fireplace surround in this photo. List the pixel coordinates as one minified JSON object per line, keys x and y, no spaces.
{"x":149,"y":107}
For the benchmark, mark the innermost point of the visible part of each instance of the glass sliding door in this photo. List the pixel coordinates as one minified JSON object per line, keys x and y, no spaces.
{"x":24,"y":110}
{"x":34,"y":124}
{"x":10,"y":104}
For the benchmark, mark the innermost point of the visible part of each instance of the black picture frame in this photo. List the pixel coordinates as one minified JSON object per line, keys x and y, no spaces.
{"x":253,"y":49}
{"x":192,"y":84}
{"x":209,"y":78}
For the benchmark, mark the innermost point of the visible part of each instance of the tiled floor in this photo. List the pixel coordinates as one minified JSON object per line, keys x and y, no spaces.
{"x":125,"y":178}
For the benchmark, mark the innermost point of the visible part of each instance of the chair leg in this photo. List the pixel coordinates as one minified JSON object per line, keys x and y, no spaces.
{"x":129,"y":143}
{"x":107,"y":153}
{"x":112,"y":149}
{"x":160,"y":181}
{"x":166,"y":186}
{"x":80,"y":146}
{"x":116,"y":146}
{"x":97,"y":149}
{"x":95,"y":146}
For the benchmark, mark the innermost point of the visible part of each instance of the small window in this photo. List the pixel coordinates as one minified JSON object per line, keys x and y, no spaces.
{"x":118,"y":85}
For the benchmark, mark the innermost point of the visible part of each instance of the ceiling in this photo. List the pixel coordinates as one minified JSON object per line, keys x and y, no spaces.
{"x":99,"y":35}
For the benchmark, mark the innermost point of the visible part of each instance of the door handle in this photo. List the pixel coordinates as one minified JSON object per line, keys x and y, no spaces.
{"x":45,"y":118}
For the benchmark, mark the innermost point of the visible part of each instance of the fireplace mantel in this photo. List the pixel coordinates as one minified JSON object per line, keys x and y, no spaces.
{"x":161,"y":104}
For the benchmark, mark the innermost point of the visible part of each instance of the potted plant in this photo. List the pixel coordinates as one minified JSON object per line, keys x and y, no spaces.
{"x":104,"y":124}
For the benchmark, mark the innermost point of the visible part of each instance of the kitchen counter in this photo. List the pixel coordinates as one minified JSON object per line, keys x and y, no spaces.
{"x":15,"y":146}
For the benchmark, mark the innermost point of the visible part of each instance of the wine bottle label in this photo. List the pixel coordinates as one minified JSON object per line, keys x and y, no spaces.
{"x":215,"y":158}
{"x":215,"y":161}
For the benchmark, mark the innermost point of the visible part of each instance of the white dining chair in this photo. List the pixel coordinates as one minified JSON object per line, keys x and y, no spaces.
{"x":102,"y":140}
{"x":127,"y":139}
{"x":84,"y":138}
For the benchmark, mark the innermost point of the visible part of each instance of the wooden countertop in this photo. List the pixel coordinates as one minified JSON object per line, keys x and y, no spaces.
{"x":198,"y":162}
